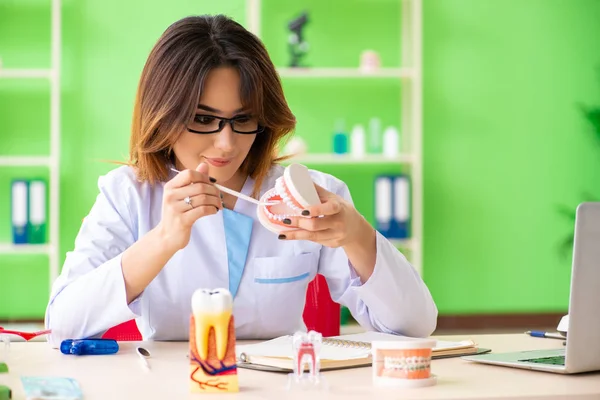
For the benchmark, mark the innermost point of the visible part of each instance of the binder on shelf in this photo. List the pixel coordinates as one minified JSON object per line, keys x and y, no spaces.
{"x":383,"y":204}
{"x":18,"y":205}
{"x":392,"y":206}
{"x":37,"y":212}
{"x":401,"y":207}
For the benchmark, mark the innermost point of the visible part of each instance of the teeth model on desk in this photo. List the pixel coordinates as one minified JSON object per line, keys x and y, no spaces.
{"x":295,"y":191}
{"x":212,"y":309}
{"x":307,"y":347}
{"x":212,"y":342}
{"x":405,"y":363}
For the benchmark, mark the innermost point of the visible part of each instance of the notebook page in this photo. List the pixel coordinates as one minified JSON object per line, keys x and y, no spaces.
{"x":371,"y":336}
{"x":282,"y":347}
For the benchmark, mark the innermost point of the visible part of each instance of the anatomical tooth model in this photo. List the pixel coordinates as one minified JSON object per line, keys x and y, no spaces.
{"x":307,"y":349}
{"x":306,"y":353}
{"x":212,"y":343}
{"x":294,"y":192}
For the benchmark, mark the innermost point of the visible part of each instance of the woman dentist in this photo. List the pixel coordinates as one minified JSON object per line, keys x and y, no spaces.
{"x":210,"y":104}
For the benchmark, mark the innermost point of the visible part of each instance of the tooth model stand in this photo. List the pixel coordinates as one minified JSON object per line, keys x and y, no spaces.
{"x":212,"y":343}
{"x":307,"y":347}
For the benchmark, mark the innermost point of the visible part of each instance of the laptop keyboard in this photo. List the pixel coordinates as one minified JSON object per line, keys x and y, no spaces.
{"x":555,"y":360}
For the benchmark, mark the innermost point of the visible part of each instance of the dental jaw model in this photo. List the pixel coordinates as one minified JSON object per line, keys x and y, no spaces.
{"x":213,"y":366}
{"x":307,"y":348}
{"x":403,"y":363}
{"x":295,"y":191}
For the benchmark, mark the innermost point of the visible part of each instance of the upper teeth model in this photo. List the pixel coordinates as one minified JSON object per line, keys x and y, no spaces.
{"x":295,"y":191}
{"x":212,"y":309}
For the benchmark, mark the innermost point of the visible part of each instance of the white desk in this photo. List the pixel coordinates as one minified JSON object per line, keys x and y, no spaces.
{"x":121,"y":376}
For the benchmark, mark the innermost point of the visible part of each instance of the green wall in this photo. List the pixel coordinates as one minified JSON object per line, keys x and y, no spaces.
{"x":505,"y":145}
{"x":503,"y":141}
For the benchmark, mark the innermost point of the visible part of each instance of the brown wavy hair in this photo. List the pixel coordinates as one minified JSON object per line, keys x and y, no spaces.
{"x":171,"y":84}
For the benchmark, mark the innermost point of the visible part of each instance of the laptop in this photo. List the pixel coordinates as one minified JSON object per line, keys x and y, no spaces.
{"x":582,"y":351}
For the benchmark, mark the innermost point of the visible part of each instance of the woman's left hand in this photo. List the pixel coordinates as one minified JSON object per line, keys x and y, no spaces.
{"x":334,"y":223}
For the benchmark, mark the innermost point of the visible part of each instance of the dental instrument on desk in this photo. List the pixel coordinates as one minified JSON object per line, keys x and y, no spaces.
{"x":25,"y":335}
{"x":144,"y":355}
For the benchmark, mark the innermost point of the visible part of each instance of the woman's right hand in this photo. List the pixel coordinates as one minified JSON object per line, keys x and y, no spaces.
{"x":178,"y":216}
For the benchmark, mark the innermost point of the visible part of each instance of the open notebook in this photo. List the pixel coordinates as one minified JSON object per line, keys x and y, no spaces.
{"x":336,"y":352}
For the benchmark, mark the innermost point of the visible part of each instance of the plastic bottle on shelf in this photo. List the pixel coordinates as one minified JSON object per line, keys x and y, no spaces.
{"x":340,"y":139}
{"x":375,"y":136}
{"x":357,"y":141}
{"x":296,"y":146}
{"x":391,"y":142}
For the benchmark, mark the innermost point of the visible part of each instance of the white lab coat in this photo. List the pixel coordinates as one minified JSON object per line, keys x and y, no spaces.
{"x":89,"y":295}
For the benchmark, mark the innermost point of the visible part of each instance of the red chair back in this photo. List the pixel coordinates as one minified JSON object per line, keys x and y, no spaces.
{"x":321,"y":314}
{"x":127,"y":331}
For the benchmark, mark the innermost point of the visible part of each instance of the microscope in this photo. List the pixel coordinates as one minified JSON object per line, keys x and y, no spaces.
{"x":296,"y":44}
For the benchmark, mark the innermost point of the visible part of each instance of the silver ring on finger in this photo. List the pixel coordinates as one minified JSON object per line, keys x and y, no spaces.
{"x":188,"y":201}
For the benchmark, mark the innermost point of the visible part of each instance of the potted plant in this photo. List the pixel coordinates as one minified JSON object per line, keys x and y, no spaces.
{"x":592,"y":115}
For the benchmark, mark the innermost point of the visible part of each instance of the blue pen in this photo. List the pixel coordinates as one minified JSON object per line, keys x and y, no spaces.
{"x":547,"y":335}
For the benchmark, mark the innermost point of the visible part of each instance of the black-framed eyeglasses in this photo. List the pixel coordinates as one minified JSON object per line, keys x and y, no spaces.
{"x":205,"y":124}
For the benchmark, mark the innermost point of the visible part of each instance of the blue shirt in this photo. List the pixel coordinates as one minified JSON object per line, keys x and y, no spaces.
{"x":89,"y":295}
